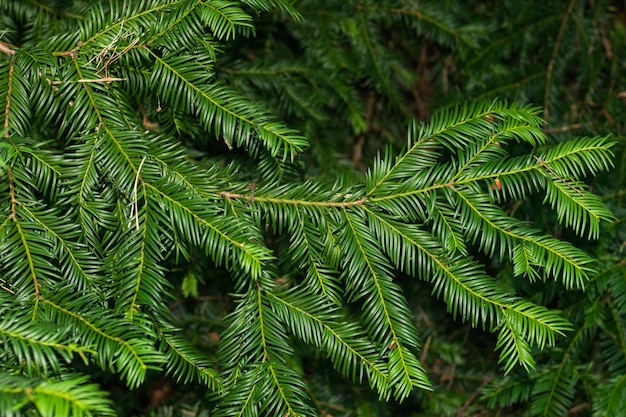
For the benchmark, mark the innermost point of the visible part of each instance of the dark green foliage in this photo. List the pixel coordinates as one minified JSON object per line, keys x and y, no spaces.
{"x":163,"y":226}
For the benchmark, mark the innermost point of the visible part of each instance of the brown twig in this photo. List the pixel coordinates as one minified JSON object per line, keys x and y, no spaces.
{"x":422,"y":90}
{"x":5,"y":48}
{"x":145,"y":119}
{"x":565,"y":128}
{"x":5,"y":288}
{"x":7,"y":108}
{"x":461,"y":411}
{"x":425,"y":349}
{"x":357,"y":151}
{"x":466,"y":331}
{"x":543,"y":164}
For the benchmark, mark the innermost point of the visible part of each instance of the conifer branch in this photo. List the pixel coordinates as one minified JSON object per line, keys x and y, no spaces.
{"x":66,"y":247}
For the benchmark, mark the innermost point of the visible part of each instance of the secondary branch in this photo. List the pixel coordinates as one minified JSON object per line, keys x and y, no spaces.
{"x":251,"y":197}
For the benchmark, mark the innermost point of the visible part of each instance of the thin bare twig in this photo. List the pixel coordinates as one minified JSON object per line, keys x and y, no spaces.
{"x":7,"y":108}
{"x":5,"y":48}
{"x":565,"y":128}
{"x":357,"y":152}
{"x":117,"y":56}
{"x":461,"y":411}
{"x":543,"y":164}
{"x":425,"y":349}
{"x":5,"y":288}
{"x":135,"y":210}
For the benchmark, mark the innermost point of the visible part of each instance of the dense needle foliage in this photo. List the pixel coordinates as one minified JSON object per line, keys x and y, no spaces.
{"x":217,"y":204}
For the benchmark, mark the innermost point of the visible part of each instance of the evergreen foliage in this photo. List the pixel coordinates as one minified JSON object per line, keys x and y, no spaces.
{"x":161,"y":216}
